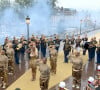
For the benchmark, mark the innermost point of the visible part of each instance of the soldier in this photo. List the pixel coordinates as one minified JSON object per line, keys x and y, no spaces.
{"x":67,"y":49}
{"x":53,"y":59}
{"x":85,"y":40}
{"x":91,"y":50}
{"x":3,"y":69}
{"x":6,"y":41}
{"x":14,"y":40}
{"x":43,"y":45}
{"x":94,"y":41}
{"x":57,"y":43}
{"x":90,"y":85}
{"x":94,"y":45}
{"x":44,"y":75}
{"x":17,"y":51}
{"x":97,"y":81}
{"x":38,"y":44}
{"x":33,"y":38}
{"x":22,"y":50}
{"x":78,"y":42}
{"x":51,"y":42}
{"x":62,"y":86}
{"x":72,"y":40}
{"x":77,"y":69}
{"x":33,"y":58}
{"x":94,"y":83}
{"x":98,"y":53}
{"x":10,"y":55}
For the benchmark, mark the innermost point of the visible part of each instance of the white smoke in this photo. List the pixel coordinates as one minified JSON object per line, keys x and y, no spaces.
{"x":42,"y":20}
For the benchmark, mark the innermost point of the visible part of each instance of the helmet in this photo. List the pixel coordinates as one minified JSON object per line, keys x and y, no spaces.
{"x":90,"y":80}
{"x":62,"y":85}
{"x":98,"y":68}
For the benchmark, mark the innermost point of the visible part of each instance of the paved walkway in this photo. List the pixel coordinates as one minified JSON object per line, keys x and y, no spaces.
{"x":63,"y":71}
{"x":62,"y":67}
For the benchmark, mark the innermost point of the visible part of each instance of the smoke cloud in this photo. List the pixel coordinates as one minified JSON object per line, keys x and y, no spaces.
{"x":43,"y":20}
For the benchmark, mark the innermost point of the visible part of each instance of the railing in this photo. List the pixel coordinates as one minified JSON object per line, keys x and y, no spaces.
{"x":78,"y":32}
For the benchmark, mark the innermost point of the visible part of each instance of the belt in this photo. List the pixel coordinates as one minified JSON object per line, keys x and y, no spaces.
{"x":76,"y":70}
{"x":1,"y":67}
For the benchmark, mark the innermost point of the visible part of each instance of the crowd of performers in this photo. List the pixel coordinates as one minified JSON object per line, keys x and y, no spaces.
{"x":13,"y":50}
{"x":94,"y":82}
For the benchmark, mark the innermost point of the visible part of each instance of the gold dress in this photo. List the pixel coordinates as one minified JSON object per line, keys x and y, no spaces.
{"x":33,"y":64}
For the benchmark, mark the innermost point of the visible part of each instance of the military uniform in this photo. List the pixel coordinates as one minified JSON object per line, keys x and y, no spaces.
{"x":10,"y":55}
{"x":3,"y":70}
{"x":57,"y":44}
{"x":77,"y":70}
{"x":53,"y":60}
{"x":72,"y":40}
{"x":94,"y":41}
{"x":78,"y":42}
{"x":94,"y":47}
{"x":33,"y":38}
{"x":50,"y":43}
{"x":33,"y":64}
{"x":67,"y":49}
{"x":44,"y":76}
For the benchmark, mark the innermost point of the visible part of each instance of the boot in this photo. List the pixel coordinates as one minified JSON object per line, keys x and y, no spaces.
{"x":77,"y":87}
{"x":73,"y":85}
{"x":4,"y":85}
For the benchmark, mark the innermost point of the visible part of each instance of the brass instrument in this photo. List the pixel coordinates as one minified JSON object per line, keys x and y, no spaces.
{"x":19,"y":46}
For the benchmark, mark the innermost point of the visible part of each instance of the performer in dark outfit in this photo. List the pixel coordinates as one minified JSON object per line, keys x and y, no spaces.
{"x":43,"y":46}
{"x":67,"y":49}
{"x":85,"y":40}
{"x":98,"y":53}
{"x":91,"y":50}
{"x":57,"y":43}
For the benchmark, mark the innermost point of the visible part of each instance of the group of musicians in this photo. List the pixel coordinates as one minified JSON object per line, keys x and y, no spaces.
{"x":94,"y":82}
{"x":13,"y":50}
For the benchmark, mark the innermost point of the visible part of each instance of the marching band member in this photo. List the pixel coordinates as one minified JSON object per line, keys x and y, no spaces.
{"x":33,"y":58}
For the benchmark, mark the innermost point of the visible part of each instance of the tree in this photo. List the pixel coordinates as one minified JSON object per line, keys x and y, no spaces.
{"x":4,"y":4}
{"x":52,"y":3}
{"x":26,"y":3}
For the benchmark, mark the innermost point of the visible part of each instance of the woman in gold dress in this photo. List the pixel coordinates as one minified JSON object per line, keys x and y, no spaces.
{"x":33,"y":58}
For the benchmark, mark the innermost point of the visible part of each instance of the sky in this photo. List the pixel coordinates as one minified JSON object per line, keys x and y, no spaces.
{"x":80,"y":4}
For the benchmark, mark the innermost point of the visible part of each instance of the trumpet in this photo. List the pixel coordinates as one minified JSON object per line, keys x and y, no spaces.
{"x":19,"y":46}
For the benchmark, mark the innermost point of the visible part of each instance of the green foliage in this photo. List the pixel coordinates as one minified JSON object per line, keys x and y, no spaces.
{"x":26,"y":3}
{"x":52,"y":3}
{"x":4,"y":4}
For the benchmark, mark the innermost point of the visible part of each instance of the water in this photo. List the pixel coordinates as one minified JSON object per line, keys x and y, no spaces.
{"x":43,"y":19}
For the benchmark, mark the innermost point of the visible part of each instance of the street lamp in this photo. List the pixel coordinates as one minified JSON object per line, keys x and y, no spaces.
{"x":80,"y":25}
{"x":27,"y":22}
